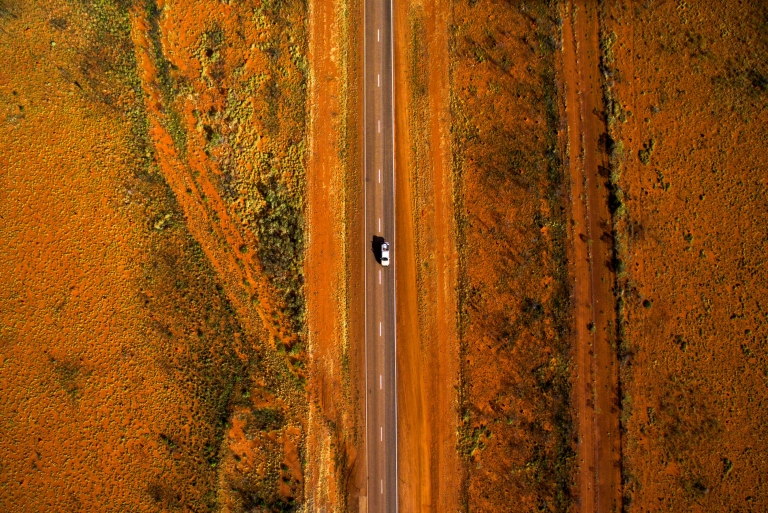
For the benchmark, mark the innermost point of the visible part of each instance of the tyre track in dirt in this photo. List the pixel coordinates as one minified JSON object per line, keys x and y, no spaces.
{"x":429,"y":467}
{"x":595,"y":391}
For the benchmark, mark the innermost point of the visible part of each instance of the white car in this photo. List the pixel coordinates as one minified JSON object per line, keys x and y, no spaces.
{"x":385,"y":254}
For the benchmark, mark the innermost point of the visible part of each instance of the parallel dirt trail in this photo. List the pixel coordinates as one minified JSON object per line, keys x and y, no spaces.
{"x":429,"y":466}
{"x":595,"y":392}
{"x":413,"y":465}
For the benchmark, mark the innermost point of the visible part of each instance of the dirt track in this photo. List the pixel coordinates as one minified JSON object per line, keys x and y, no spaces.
{"x":595,"y":371}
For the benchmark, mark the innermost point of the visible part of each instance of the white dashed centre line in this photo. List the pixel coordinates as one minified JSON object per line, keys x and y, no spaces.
{"x":382,"y":487}
{"x":379,"y":125}
{"x":380,"y":382}
{"x":378,"y":35}
{"x":379,"y":276}
{"x":379,"y":175}
{"x":378,"y":79}
{"x":379,"y":329}
{"x":379,"y":225}
{"x":381,"y":437}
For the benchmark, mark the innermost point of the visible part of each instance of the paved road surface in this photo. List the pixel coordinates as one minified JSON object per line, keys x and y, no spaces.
{"x":381,"y":399}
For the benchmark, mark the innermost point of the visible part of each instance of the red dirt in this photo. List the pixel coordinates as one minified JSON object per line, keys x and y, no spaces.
{"x":106,"y":404}
{"x":429,"y":467}
{"x":166,"y":357}
{"x":154,"y":352}
{"x":595,"y":370}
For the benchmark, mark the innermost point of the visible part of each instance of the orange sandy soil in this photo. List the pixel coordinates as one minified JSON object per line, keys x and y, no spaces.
{"x":335,"y":446}
{"x":515,"y":431}
{"x":689,"y":89}
{"x":153,"y":348}
{"x":429,"y":467}
{"x":595,"y":365}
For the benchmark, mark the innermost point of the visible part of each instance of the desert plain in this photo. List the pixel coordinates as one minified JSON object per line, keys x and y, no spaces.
{"x":581,"y":213}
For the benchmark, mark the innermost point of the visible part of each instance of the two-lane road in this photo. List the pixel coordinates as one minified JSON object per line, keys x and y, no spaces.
{"x":379,"y":190}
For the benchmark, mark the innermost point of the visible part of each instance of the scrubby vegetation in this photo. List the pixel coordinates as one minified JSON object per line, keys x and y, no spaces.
{"x":513,"y":285}
{"x":153,"y":356}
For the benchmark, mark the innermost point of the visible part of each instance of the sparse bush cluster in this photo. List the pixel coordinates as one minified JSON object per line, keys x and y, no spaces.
{"x":258,"y":140}
{"x":614,"y":147}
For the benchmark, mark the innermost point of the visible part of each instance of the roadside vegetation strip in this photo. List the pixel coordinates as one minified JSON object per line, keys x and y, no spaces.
{"x":614,"y":115}
{"x":515,"y":350}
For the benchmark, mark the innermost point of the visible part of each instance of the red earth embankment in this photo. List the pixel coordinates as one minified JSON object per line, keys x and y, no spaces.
{"x":336,"y":448}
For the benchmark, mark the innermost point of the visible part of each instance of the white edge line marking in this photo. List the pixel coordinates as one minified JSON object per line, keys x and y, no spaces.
{"x":365,"y":259}
{"x":394,"y":271}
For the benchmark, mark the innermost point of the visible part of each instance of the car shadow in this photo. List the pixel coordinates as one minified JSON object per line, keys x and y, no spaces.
{"x":376,"y":247}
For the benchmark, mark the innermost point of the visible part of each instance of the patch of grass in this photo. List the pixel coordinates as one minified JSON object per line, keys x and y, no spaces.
{"x":168,"y":85}
{"x":266,"y":419}
{"x":645,"y":154}
{"x":727,"y":467}
{"x":262,"y":134}
{"x":67,"y":375}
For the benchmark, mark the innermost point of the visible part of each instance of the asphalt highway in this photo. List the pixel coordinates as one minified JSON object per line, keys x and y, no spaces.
{"x":379,"y":190}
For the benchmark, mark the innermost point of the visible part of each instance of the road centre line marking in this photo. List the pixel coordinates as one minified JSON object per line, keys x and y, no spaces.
{"x":378,"y":35}
{"x":379,"y":175}
{"x":379,"y":125}
{"x":381,"y":438}
{"x":379,"y":225}
{"x":378,"y":79}
{"x":382,"y":487}
{"x":379,"y":329}
{"x":379,"y":276}
{"x":380,"y":382}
